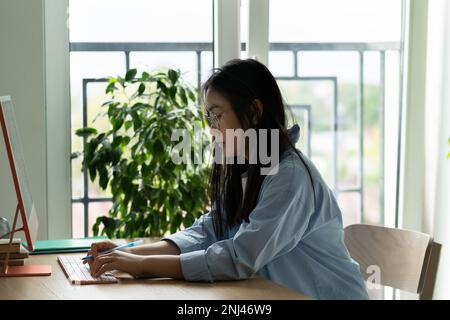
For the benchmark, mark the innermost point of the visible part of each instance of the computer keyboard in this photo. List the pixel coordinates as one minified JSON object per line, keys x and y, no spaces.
{"x":78,"y":273}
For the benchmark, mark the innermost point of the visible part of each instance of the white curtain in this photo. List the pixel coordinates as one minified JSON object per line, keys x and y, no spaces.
{"x":436,"y":220}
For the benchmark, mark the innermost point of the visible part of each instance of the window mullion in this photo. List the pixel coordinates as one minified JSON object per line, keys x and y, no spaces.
{"x":226,"y":31}
{"x":258,"y":30}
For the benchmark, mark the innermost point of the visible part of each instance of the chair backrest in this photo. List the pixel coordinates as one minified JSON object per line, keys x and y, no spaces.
{"x":406,"y":260}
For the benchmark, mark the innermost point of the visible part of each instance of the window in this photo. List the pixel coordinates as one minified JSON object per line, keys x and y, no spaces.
{"x":109,"y":37}
{"x":338,"y":65}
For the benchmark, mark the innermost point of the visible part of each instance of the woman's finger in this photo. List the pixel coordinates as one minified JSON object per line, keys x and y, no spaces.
{"x":99,"y":261}
{"x":90,"y":262}
{"x":94,"y":249}
{"x":89,"y":253}
{"x":104,"y":268}
{"x":93,"y":267}
{"x":98,"y":247}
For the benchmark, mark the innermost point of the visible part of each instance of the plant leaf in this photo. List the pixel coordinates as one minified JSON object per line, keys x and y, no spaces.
{"x":85,"y":132}
{"x":173,"y":76}
{"x":130,"y":74}
{"x":145,"y":76}
{"x":141,"y":89}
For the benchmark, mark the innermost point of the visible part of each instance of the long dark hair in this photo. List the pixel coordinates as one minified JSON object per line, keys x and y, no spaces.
{"x":241,"y":82}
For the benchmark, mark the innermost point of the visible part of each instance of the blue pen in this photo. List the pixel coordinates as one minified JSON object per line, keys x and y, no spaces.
{"x":126,"y":245}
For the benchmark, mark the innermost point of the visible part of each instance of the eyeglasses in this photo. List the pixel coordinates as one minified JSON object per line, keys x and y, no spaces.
{"x":213,"y":119}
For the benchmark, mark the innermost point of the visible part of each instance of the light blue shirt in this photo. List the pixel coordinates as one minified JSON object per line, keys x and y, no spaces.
{"x":286,"y":240}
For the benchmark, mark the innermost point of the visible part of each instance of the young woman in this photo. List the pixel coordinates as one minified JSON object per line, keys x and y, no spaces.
{"x":286,"y":227}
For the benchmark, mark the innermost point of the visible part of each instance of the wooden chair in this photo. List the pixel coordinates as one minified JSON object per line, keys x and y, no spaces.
{"x":407,"y":260}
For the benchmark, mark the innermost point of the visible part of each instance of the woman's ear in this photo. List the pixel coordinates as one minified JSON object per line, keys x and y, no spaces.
{"x":258,"y":111}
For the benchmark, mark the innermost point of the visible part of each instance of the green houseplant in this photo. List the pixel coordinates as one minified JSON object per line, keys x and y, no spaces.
{"x":151,"y":194}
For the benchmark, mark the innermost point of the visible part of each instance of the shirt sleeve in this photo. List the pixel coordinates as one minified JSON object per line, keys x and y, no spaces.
{"x":199,"y":236}
{"x":275,"y":227}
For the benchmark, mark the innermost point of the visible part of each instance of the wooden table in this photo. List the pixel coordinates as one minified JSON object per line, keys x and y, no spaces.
{"x":57,"y":286}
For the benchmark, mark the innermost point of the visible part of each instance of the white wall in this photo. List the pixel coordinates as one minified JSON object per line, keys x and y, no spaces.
{"x":58,"y":119}
{"x":34,"y":72}
{"x":22,"y":77}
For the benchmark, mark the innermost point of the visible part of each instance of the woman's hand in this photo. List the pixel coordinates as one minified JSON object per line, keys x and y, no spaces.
{"x":159,"y":260}
{"x":97,"y":248}
{"x":117,"y":260}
